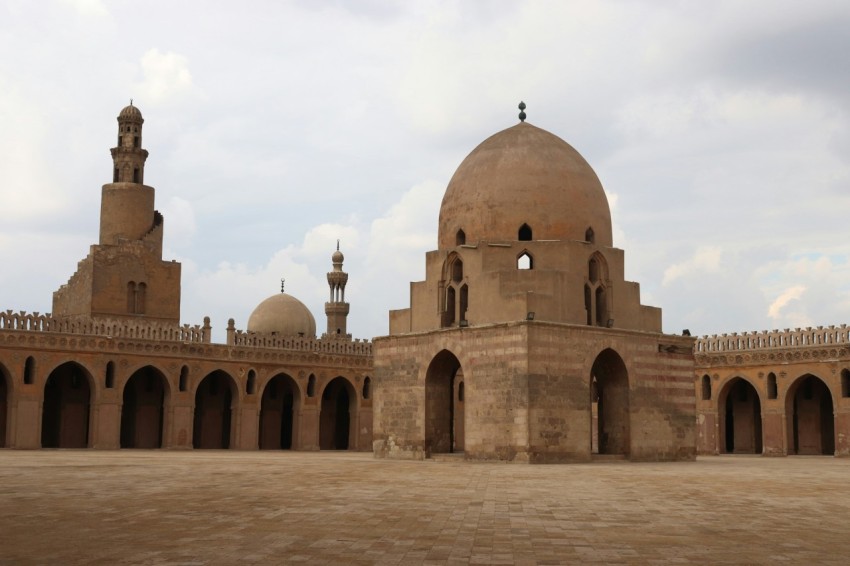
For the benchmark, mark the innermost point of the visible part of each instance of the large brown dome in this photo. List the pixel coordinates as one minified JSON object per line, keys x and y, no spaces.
{"x":284,"y":315}
{"x":524,"y":175}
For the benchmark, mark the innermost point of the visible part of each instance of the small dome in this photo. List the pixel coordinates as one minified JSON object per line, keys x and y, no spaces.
{"x":282,"y":314}
{"x":524,"y":176}
{"x":130,"y":113}
{"x":337,"y":257}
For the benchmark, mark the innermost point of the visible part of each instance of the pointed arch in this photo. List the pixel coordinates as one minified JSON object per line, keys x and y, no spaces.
{"x":739,"y":405}
{"x":810,"y":416}
{"x":215,"y":398}
{"x":143,"y":409}
{"x":460,"y":238}
{"x":338,"y":415}
{"x":706,"y":388}
{"x":589,"y":236}
{"x":609,"y":383}
{"x":525,"y":261}
{"x":29,"y":371}
{"x":280,"y":408}
{"x":66,"y":406}
{"x":772,"y":392}
{"x":444,"y":414}
{"x":524,"y":233}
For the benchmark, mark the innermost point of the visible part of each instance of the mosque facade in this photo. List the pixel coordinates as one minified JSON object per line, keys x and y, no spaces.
{"x":524,"y":343}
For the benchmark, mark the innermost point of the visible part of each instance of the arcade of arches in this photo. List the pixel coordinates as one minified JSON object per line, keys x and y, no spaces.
{"x":138,"y":404}
{"x":797,"y":408}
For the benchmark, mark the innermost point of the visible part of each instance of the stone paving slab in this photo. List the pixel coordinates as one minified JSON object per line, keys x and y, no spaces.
{"x":219,"y":507}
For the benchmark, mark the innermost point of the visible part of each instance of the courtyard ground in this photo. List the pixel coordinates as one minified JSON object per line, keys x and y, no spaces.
{"x":220,"y":507}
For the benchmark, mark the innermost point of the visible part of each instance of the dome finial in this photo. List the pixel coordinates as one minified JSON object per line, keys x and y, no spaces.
{"x":131,"y":102}
{"x":337,"y":244}
{"x":282,"y":282}
{"x":521,"y":111}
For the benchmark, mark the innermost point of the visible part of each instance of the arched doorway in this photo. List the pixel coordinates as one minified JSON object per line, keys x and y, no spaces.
{"x":214,"y":401}
{"x":609,"y":397}
{"x":65,"y":411}
{"x":280,"y":405}
{"x":444,"y":405}
{"x":5,"y":386}
{"x":740,"y":418}
{"x":339,"y":407}
{"x":143,"y":409}
{"x":810,"y":416}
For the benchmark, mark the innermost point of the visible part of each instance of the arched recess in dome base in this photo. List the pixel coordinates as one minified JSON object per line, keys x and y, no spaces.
{"x":609,"y":400}
{"x":810,"y":417}
{"x":215,"y":401}
{"x":338,"y":416}
{"x":279,"y":410}
{"x":740,"y":418}
{"x":66,"y":414}
{"x":143,"y":409}
{"x":444,"y":405}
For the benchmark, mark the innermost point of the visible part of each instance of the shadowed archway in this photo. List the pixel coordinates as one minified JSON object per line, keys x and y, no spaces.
{"x":66,"y":408}
{"x":215,"y":400}
{"x":279,"y":410}
{"x":143,"y":409}
{"x":810,"y":417}
{"x":339,"y":409}
{"x":609,"y":397}
{"x":740,"y":418}
{"x":338,"y":415}
{"x":444,"y":405}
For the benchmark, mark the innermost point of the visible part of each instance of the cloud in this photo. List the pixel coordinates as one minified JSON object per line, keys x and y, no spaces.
{"x":166,"y":77}
{"x":705,"y":260}
{"x":87,"y":7}
{"x":788,"y":295}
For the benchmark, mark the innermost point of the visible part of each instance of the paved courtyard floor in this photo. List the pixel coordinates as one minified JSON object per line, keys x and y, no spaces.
{"x":219,"y":507}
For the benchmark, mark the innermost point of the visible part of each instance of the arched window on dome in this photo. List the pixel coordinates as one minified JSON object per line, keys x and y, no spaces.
{"x":460,"y":238}
{"x":449,"y":318}
{"x":457,"y":270}
{"x":525,"y":261}
{"x":524,"y":234}
{"x":589,"y":236}
{"x":602,"y":307}
{"x":464,"y":302}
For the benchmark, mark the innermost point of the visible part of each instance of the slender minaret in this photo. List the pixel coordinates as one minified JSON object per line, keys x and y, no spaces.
{"x":337,"y":308}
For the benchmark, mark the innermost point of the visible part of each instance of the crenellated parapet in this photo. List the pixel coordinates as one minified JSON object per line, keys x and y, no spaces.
{"x":356,"y":347}
{"x":114,"y":328}
{"x":773,"y":339}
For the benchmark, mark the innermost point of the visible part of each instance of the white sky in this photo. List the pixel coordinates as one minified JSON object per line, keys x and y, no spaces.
{"x":719,"y":130}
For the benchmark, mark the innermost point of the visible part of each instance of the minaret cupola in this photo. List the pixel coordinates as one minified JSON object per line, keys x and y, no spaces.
{"x":128,"y":157}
